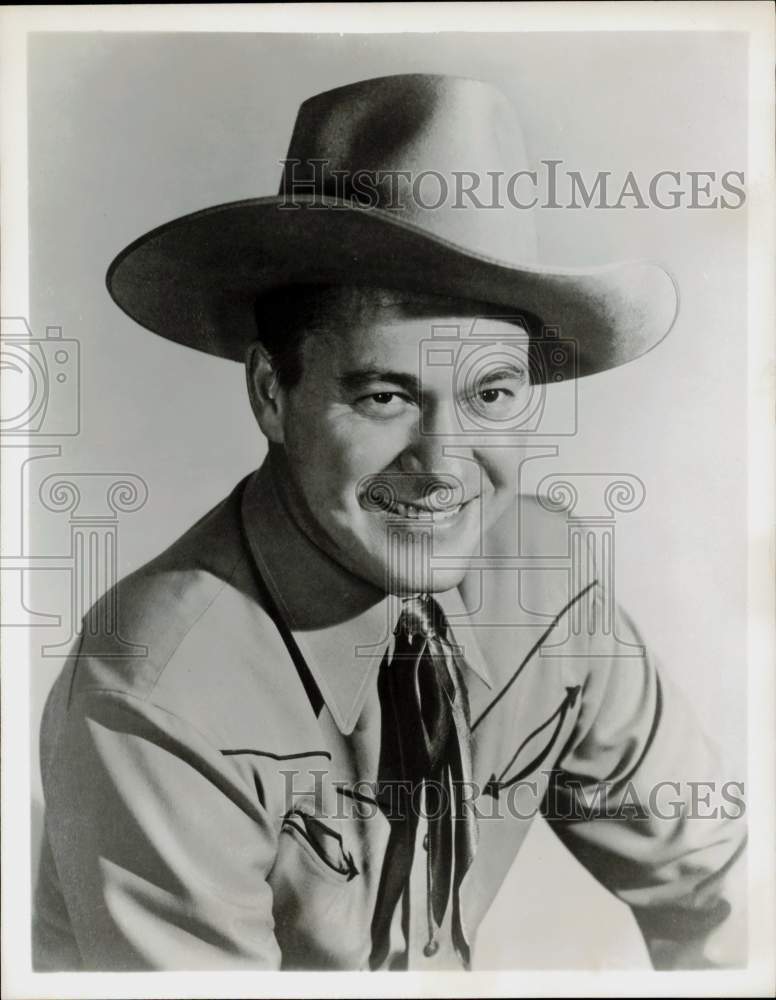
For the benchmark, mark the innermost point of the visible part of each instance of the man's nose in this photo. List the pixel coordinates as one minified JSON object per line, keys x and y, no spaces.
{"x":439,"y":445}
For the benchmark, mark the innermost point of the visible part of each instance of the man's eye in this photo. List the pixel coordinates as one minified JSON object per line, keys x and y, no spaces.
{"x":383,"y":404}
{"x":497,"y":403}
{"x":493,"y":395}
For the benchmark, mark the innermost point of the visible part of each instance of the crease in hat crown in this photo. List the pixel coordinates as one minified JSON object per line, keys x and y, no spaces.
{"x":409,"y":135}
{"x":195,"y":279}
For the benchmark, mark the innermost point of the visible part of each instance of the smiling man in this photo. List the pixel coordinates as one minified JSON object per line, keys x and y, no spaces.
{"x":351,"y":704}
{"x":355,"y":417}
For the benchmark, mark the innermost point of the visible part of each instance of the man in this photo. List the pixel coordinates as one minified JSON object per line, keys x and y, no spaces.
{"x":350,"y":710}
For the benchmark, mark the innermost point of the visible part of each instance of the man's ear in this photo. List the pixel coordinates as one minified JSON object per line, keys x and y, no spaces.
{"x":264,"y":392}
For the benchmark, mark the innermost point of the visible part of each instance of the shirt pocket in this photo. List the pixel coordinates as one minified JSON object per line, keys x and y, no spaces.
{"x":321,"y":846}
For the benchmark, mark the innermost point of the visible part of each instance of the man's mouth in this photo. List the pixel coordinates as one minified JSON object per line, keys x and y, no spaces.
{"x":422,"y":512}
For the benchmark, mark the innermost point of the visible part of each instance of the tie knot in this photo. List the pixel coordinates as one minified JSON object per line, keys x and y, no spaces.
{"x":421,"y":615}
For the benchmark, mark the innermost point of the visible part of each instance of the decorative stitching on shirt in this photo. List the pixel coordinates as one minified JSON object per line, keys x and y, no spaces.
{"x":532,"y":652}
{"x":279,"y":756}
{"x":495,"y":785}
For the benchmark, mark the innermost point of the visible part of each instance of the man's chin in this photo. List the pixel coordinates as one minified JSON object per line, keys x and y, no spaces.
{"x":411,"y":570}
{"x":436,"y":582}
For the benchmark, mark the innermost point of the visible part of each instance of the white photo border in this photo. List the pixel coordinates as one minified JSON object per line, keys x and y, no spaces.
{"x":757,"y":21}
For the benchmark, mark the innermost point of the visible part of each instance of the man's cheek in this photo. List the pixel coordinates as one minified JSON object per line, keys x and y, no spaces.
{"x":332,"y":476}
{"x":357,"y":455}
{"x":502,"y":476}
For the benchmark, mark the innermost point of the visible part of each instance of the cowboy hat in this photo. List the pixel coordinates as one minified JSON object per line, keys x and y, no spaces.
{"x":371,"y":195}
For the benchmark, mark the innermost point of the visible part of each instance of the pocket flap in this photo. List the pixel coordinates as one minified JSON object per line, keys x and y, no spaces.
{"x":325,"y":842}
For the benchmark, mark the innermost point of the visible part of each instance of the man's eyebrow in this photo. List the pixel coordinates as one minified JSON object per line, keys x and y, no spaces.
{"x":501,"y":373}
{"x":354,"y":380}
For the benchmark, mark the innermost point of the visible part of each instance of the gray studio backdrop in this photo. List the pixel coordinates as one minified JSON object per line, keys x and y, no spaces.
{"x":128,"y":131}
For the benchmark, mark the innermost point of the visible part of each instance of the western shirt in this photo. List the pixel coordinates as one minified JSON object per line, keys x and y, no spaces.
{"x":209,"y":755}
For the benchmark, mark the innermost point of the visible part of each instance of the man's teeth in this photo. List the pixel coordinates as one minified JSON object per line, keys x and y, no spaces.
{"x":411,"y":510}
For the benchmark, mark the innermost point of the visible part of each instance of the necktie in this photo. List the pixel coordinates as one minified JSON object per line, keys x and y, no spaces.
{"x":425,"y":758}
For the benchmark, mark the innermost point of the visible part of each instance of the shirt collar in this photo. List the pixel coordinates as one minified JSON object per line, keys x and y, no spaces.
{"x":342,"y":624}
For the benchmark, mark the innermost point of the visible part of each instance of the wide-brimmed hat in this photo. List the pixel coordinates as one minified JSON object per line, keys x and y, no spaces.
{"x":383,"y":185}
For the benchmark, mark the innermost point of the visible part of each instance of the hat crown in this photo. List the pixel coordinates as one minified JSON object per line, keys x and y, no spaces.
{"x":437,"y":150}
{"x":195,"y":279}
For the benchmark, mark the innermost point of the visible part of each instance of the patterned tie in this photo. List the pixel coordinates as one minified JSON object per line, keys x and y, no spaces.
{"x":425,"y":748}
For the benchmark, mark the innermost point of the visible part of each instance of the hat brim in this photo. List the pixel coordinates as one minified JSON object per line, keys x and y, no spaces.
{"x":195,"y":280}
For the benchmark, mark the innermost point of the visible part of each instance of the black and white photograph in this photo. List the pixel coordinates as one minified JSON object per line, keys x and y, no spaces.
{"x":387,"y":564}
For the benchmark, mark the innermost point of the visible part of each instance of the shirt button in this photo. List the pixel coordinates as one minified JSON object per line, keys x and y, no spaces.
{"x":425,"y":843}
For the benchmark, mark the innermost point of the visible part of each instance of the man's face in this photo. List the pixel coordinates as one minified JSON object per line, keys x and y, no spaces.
{"x":392,"y":455}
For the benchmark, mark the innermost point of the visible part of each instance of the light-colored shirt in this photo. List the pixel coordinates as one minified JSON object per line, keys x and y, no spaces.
{"x":208,"y":801}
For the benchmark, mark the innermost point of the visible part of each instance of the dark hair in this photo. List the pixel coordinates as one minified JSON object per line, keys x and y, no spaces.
{"x":284,"y":317}
{"x":287,"y":315}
